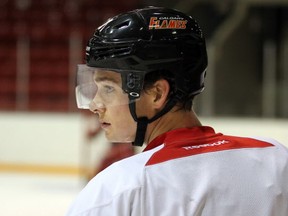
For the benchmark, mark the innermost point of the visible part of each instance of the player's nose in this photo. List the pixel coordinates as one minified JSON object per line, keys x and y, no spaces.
{"x":96,"y":107}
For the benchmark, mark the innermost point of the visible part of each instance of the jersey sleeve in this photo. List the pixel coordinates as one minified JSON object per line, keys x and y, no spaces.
{"x":117,"y":205}
{"x":115,"y":191}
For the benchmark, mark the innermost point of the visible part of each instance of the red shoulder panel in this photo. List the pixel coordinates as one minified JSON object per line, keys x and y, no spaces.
{"x":183,"y":148}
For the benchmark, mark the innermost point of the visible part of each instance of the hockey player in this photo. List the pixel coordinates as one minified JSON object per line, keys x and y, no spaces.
{"x":142,"y":72}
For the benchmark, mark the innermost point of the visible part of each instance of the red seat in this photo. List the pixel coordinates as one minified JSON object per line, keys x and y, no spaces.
{"x":48,"y":25}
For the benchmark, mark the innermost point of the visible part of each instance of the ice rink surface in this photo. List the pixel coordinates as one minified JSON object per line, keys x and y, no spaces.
{"x":37,"y":194}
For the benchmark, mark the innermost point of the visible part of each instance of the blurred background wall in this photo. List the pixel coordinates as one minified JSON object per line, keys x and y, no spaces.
{"x":42,"y":41}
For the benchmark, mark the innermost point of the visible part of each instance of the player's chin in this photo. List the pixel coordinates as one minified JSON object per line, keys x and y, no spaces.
{"x":118,"y":138}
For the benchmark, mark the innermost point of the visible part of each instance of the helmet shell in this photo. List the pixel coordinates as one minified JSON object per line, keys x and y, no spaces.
{"x":147,"y":40}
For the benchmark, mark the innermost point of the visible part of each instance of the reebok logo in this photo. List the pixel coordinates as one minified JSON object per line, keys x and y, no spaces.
{"x":222,"y":142}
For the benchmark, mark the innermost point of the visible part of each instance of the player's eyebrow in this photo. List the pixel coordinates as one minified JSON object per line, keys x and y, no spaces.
{"x":102,"y":79}
{"x":107,"y":78}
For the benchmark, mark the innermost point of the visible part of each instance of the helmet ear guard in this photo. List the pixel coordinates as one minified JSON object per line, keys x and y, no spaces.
{"x":132,"y":83}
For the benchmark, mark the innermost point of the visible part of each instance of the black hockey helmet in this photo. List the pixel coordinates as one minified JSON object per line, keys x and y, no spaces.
{"x":147,"y":40}
{"x":151,"y":39}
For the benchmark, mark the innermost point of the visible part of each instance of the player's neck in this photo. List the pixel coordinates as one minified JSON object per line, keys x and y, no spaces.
{"x":172,"y":120}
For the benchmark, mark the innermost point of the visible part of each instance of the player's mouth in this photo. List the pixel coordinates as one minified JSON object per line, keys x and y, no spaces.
{"x":105,"y":125}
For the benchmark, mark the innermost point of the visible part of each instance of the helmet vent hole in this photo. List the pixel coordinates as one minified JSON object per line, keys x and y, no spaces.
{"x":123,"y":25}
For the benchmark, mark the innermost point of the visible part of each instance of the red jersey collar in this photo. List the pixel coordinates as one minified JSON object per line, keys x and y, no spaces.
{"x":182,"y":135}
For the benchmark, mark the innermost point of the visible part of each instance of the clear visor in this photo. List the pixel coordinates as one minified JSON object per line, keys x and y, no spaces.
{"x":99,"y":88}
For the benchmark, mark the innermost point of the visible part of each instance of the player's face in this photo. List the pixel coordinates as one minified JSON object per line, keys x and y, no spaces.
{"x":111,"y":104}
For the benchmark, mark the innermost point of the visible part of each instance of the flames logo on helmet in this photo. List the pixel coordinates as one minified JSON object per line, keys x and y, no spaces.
{"x":166,"y":23}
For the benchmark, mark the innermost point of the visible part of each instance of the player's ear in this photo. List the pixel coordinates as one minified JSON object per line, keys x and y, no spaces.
{"x":160,"y":93}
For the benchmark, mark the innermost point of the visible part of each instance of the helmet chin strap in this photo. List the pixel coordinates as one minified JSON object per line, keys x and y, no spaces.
{"x":142,"y":122}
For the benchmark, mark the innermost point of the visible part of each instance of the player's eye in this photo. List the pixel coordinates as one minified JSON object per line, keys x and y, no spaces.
{"x":108,"y":89}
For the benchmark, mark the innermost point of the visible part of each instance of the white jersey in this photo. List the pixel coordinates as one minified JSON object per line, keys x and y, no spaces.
{"x":192,"y":172}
